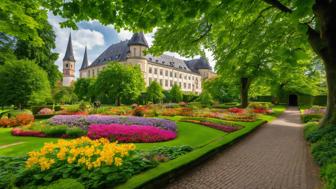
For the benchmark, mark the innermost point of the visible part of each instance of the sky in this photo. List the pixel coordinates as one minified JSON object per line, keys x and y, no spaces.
{"x":96,"y":37}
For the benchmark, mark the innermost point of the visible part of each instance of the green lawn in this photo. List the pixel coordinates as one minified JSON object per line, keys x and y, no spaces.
{"x":201,"y":138}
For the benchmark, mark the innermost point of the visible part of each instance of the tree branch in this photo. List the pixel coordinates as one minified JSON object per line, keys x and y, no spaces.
{"x":315,"y":41}
{"x":277,"y":4}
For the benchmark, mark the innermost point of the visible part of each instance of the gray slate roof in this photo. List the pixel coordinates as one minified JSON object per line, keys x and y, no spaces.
{"x":138,"y":39}
{"x":85,"y":62}
{"x":119,"y":52}
{"x":69,"y":55}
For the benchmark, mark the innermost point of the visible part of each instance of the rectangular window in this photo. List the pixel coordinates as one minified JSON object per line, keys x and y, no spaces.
{"x":171,"y":83}
{"x":166,"y":83}
{"x":185,"y":77}
{"x":150,"y":80}
{"x":150,"y":70}
{"x":171,"y":74}
{"x":134,"y":51}
{"x":184,"y":85}
{"x":161,"y":72}
{"x":189,"y":86}
{"x":180,"y":76}
{"x":166,"y":73}
{"x":175,"y":74}
{"x":189,"y":77}
{"x":93,"y":73}
{"x":161,"y":82}
{"x":155,"y":70}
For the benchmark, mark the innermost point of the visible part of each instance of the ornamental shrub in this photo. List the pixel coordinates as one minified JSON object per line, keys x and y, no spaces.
{"x":130,"y":133}
{"x":75,"y":132}
{"x":24,"y":119}
{"x":45,"y":111}
{"x":55,"y":131}
{"x":94,"y":163}
{"x":21,"y":132}
{"x":165,"y":153}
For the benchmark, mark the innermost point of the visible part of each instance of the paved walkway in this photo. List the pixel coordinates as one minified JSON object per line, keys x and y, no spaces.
{"x":274,"y":156}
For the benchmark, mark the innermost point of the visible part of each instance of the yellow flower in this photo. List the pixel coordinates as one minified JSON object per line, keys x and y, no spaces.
{"x":117,"y":161}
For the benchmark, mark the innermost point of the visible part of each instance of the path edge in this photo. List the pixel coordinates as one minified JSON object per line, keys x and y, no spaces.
{"x":162,"y":180}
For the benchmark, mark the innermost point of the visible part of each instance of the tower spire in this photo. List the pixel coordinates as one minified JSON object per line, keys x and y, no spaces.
{"x":85,"y":62}
{"x":69,"y":56}
{"x":138,"y":39}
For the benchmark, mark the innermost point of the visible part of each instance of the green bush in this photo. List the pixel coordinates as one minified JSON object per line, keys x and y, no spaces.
{"x":206,"y":99}
{"x":309,"y":129}
{"x":165,"y":153}
{"x":14,"y":113}
{"x":75,"y":132}
{"x":64,"y":184}
{"x":10,"y":167}
{"x":324,"y":151}
{"x":311,"y":117}
{"x":36,"y":109}
{"x":329,"y":174}
{"x":55,"y":131}
{"x":43,"y":116}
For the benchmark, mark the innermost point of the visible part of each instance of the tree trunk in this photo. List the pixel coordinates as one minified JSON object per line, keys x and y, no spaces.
{"x":118,"y":101}
{"x":244,"y":88}
{"x":323,"y":41}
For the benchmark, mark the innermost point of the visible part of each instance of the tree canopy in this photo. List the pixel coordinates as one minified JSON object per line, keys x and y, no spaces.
{"x":175,"y":93}
{"x":154,"y":92}
{"x":22,"y":82}
{"x":119,"y":82}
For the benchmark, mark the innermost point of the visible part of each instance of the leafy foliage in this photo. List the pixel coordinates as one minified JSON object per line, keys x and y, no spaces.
{"x":175,"y":94}
{"x":31,"y":86}
{"x":84,"y":88}
{"x":120,"y":82}
{"x":154,"y":92}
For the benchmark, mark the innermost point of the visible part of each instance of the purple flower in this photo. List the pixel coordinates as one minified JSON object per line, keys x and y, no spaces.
{"x":84,"y":121}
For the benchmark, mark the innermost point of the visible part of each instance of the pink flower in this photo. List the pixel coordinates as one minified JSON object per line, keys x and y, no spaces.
{"x":130,"y":133}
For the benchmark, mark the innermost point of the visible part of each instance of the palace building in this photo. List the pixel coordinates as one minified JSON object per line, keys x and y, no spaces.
{"x":166,"y":70}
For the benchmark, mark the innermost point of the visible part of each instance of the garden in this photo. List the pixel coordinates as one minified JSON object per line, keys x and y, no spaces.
{"x":109,"y":146}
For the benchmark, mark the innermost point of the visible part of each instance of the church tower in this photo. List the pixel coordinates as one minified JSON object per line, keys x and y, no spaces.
{"x":69,"y":65}
{"x":85,"y":64}
{"x":137,"y":45}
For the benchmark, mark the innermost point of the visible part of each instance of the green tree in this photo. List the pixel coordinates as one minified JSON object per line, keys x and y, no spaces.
{"x":175,"y":93}
{"x":41,"y":55}
{"x":154,"y":92}
{"x":120,"y":82}
{"x":84,"y":89}
{"x":22,"y":83}
{"x":65,"y":95}
{"x":206,"y":99}
{"x":222,"y":88}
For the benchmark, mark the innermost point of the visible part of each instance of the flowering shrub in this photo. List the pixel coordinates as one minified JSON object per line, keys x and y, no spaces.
{"x":236,"y":110}
{"x":315,"y":113}
{"x":7,"y":122}
{"x":217,"y":126}
{"x":19,"y":120}
{"x":84,"y":121}
{"x":24,"y":119}
{"x":94,"y":163}
{"x":262,"y":111}
{"x":130,"y":133}
{"x":139,"y":111}
{"x":45,"y":111}
{"x":20,"y":132}
{"x":83,"y":152}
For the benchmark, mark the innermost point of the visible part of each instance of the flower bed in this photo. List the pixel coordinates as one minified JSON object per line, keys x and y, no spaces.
{"x":19,"y":120}
{"x":20,"y":132}
{"x":130,"y":133}
{"x":84,"y":121}
{"x":225,"y":128}
{"x":314,"y":113}
{"x":183,"y":111}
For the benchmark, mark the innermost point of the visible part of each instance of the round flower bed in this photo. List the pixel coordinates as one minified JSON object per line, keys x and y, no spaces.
{"x":84,"y":121}
{"x":130,"y":133}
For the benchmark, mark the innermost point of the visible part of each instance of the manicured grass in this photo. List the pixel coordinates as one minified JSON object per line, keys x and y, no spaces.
{"x":202,"y":139}
{"x":25,"y":144}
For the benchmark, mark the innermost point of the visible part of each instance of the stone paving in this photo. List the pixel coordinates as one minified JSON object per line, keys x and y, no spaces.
{"x":274,"y":156}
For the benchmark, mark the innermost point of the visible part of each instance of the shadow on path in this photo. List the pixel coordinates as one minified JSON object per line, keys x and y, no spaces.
{"x":274,"y":156}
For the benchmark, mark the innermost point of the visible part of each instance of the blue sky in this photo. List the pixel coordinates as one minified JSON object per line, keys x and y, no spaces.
{"x":96,"y":37}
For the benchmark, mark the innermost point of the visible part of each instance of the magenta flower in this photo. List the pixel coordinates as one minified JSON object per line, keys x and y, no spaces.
{"x":130,"y":133}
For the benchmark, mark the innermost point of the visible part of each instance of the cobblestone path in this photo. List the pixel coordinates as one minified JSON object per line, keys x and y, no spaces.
{"x":274,"y":156}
